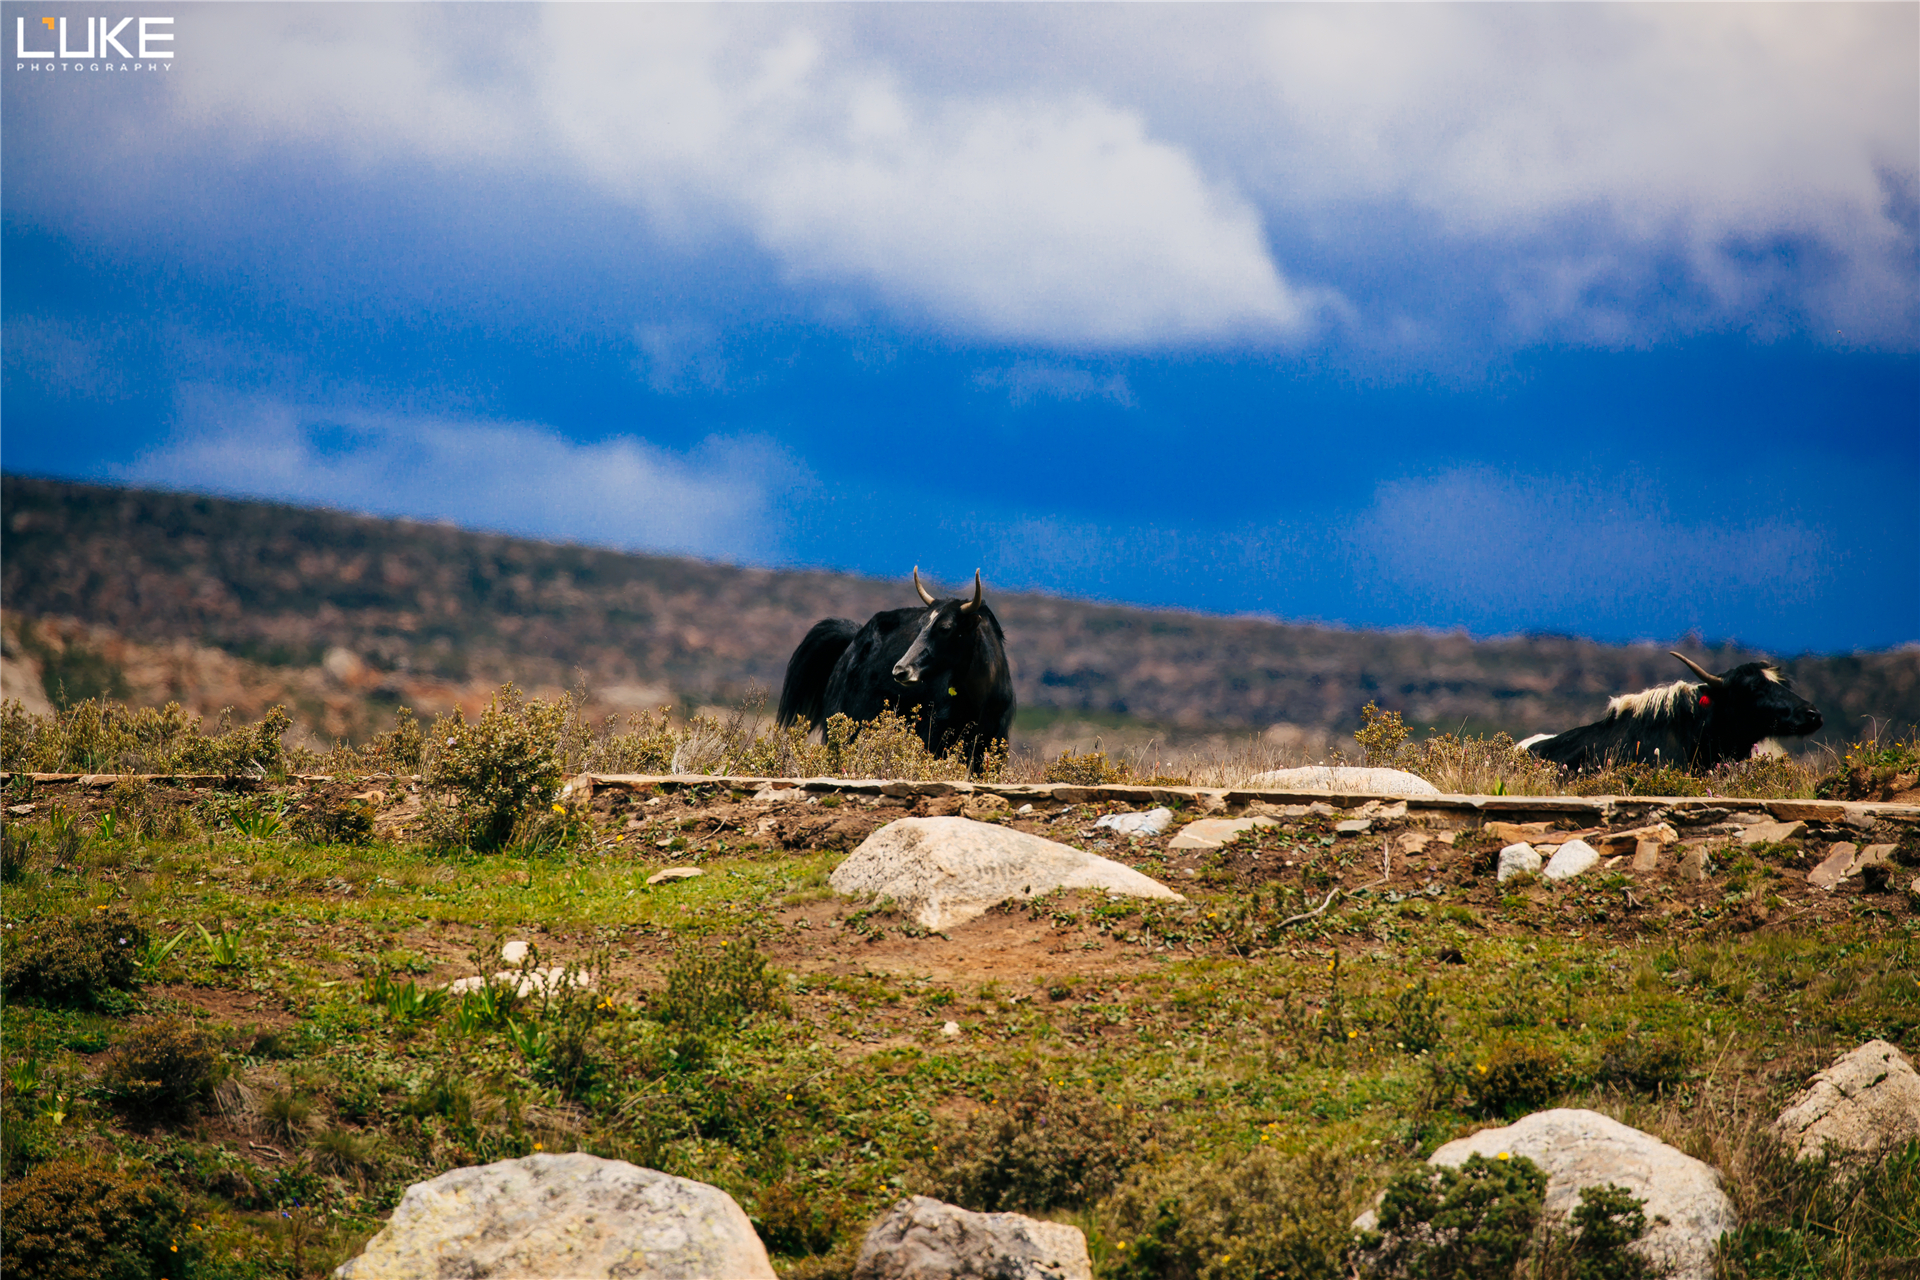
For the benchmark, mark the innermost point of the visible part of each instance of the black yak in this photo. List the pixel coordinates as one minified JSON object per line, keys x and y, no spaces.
{"x":1691,"y":726}
{"x":942,"y":666}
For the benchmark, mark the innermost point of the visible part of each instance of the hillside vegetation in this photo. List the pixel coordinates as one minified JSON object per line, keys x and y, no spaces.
{"x":158,"y":596}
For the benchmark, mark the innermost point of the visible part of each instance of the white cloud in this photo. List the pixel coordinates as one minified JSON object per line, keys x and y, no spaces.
{"x":718,"y":500}
{"x":1026,"y":381}
{"x":1118,"y":176}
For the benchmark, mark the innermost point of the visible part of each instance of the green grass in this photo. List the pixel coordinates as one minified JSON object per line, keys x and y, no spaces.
{"x":817,"y":1109}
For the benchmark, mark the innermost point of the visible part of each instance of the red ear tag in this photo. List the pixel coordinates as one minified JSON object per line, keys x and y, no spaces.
{"x":1705,"y":701}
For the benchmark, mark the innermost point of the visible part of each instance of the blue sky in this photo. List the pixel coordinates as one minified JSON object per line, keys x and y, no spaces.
{"x":1589,"y":319}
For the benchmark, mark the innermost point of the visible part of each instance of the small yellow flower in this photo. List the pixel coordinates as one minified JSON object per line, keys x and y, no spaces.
{"x":559,"y":808}
{"x":1352,"y":1034}
{"x":539,"y":1147}
{"x":789,"y":1097}
{"x":1504,"y":1156}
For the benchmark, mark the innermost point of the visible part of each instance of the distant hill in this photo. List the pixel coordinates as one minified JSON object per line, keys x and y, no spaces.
{"x":156,"y":594}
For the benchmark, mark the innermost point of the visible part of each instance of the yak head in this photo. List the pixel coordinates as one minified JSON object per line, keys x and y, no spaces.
{"x":1753,"y":701}
{"x":945,"y":643}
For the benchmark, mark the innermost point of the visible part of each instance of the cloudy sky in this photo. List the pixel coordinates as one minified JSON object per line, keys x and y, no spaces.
{"x":1590,"y":319}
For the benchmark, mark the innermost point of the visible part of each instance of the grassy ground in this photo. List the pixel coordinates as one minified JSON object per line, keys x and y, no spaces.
{"x":749,"y":1029}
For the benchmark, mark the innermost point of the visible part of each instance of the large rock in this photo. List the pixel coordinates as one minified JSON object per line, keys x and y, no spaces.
{"x":923,"y":1239}
{"x":576,"y":1217}
{"x":1517,"y":860}
{"x":1579,"y":1149}
{"x":1338,"y":777}
{"x":1868,"y":1101}
{"x":945,"y":871}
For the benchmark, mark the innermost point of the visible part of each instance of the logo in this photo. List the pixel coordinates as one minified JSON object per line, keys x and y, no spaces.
{"x":105,"y":48}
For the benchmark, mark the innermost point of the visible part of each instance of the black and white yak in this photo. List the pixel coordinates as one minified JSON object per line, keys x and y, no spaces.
{"x":942,"y":666}
{"x":1691,"y":726}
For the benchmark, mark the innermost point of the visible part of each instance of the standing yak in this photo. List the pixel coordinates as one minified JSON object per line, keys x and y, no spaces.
{"x":943,"y":667}
{"x":1692,"y":726}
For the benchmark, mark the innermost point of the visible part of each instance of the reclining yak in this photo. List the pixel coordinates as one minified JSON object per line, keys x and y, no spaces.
{"x":1693,"y":726}
{"x":943,"y":667}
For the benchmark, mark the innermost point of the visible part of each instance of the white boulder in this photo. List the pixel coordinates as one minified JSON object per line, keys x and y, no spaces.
{"x":1517,"y":860}
{"x":1338,"y":777}
{"x":1687,"y":1209}
{"x":1868,"y":1101}
{"x":1150,"y":823}
{"x":923,"y":1239}
{"x":577,"y":1217}
{"x":946,"y":871}
{"x":1571,"y":859}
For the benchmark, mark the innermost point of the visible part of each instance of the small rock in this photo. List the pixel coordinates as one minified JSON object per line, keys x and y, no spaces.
{"x":1517,"y":860}
{"x":562,"y":1217}
{"x":1873,"y":855}
{"x":1353,"y":827}
{"x":1518,"y":832}
{"x":514,"y":952}
{"x":1646,"y":855}
{"x":525,"y":982}
{"x":1321,"y":777}
{"x":1866,"y":1102}
{"x":1835,"y":868}
{"x":1211,"y":833}
{"x":1150,"y":823}
{"x":775,"y":795}
{"x":20,"y":810}
{"x":1321,"y":809}
{"x":1659,"y":833}
{"x":922,"y":1239}
{"x":950,"y":1029}
{"x":1748,"y":818}
{"x":1572,"y":858}
{"x":1771,"y":832}
{"x":1024,"y":809}
{"x":1694,"y":864}
{"x":674,"y":873}
{"x":1261,"y":809}
{"x":984,"y":805}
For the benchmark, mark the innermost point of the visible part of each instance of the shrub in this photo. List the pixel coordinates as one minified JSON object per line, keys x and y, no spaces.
{"x":499,"y":766}
{"x":707,"y":988}
{"x":74,"y":960}
{"x":1645,"y":1066}
{"x":1262,"y":1214}
{"x":1092,"y":769}
{"x":1514,"y":1079}
{"x":1043,"y":1148}
{"x":1871,"y":771}
{"x":796,"y":1220}
{"x":108,"y":737}
{"x":162,"y":1071}
{"x":1382,"y":737}
{"x":76,"y":1221}
{"x":1441,"y":1223}
{"x":1607,"y":1221}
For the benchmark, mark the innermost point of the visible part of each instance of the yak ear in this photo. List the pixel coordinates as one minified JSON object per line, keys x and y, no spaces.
{"x":917,"y":587}
{"x":974,"y":603}
{"x":1699,"y":670}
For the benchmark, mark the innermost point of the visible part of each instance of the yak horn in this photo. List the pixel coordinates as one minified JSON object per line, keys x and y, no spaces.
{"x":1699,"y":670}
{"x":917,"y":587}
{"x":974,"y":603}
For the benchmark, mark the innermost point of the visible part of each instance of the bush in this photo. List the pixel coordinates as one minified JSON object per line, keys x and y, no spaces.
{"x":76,"y":1221}
{"x":108,"y":737}
{"x":1092,"y":769}
{"x":1440,"y":1223}
{"x":499,"y":766}
{"x":1043,"y":1148}
{"x":162,"y":1071}
{"x":708,"y":988}
{"x":1263,"y":1214}
{"x":796,"y":1220}
{"x":74,"y":961}
{"x":1649,"y":1066}
{"x":1514,"y":1080}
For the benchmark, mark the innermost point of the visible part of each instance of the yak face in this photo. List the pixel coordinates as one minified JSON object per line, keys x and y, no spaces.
{"x":1755,"y":701}
{"x":944,"y":645}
